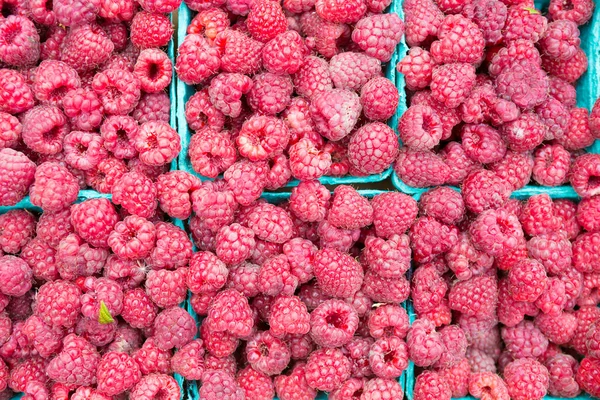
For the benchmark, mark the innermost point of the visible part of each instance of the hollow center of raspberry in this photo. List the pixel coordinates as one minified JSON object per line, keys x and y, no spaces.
{"x":122,"y":136}
{"x":153,"y":71}
{"x":49,"y":6}
{"x":52,"y":134}
{"x":264,"y":349}
{"x":11,"y":32}
{"x":336,"y":320}
{"x":567,"y":5}
{"x":58,"y":93}
{"x":389,"y":357}
{"x":112,"y":93}
{"x":357,"y":395}
{"x":594,"y":182}
{"x":81,"y":149}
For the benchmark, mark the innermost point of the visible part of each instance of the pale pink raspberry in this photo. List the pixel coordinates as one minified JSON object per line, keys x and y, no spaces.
{"x":326,"y":109}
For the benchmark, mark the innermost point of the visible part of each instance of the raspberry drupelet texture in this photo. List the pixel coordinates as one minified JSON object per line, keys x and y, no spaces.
{"x":174,"y":327}
{"x":167,"y":288}
{"x":425,"y":345}
{"x":309,"y":201}
{"x":420,"y":127}
{"x":150,"y":30}
{"x":421,"y":169}
{"x":335,"y":112}
{"x":337,"y":274}
{"x":307,"y":161}
{"x":526,"y":378}
{"x":326,"y":369}
{"x":19,"y":41}
{"x":266,"y":20}
{"x":219,"y":384}
{"x":136,"y":193}
{"x":263,"y":137}
{"x":333,"y":323}
{"x":239,"y":53}
{"x":255,"y":384}
{"x":63,"y":369}
{"x":54,"y":187}
{"x":267,"y":354}
{"x":285,"y":53}
{"x":379,"y":98}
{"x":44,"y":128}
{"x":313,"y":77}
{"x":196,"y":60}
{"x":90,"y":40}
{"x":430,"y":385}
{"x":229,"y":311}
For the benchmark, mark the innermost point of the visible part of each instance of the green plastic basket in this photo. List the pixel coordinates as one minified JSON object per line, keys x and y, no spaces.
{"x":185,"y":91}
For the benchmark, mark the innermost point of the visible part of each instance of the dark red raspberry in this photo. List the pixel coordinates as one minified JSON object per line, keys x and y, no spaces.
{"x":196,"y":59}
{"x":80,"y":40}
{"x":579,"y":11}
{"x":337,"y":273}
{"x":150,"y":30}
{"x":524,"y":22}
{"x":313,"y":77}
{"x":136,"y":193}
{"x":167,"y":288}
{"x":19,"y":41}
{"x":421,"y":168}
{"x":430,"y":385}
{"x":16,"y":95}
{"x":423,"y":19}
{"x":526,"y":379}
{"x":44,"y":128}
{"x":239,"y":53}
{"x":230,"y":312}
{"x":460,"y":41}
{"x":569,"y":70}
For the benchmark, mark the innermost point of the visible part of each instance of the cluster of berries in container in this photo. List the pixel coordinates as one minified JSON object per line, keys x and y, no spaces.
{"x":83,"y":100}
{"x":290,"y":90}
{"x":491,"y":85}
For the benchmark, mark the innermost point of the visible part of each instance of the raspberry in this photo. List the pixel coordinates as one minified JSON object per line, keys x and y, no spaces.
{"x":16,"y":177}
{"x":274,"y":277}
{"x":561,"y":39}
{"x":428,"y":289}
{"x":219,"y":384}
{"x":75,"y":12}
{"x":341,"y":12}
{"x":357,"y":351}
{"x":587,"y":376}
{"x":336,"y":238}
{"x":524,"y":84}
{"x":455,"y":342}
{"x":156,"y":385}
{"x":226,"y":90}
{"x":136,"y":193}
{"x":89,"y":40}
{"x":200,"y":113}
{"x":50,"y":178}
{"x":490,"y":16}
{"x":53,"y":80}
{"x":524,"y":340}
{"x":388,"y":357}
{"x":84,"y":150}
{"x":157,"y":143}
{"x":53,"y":227}
{"x":555,"y":116}
{"x":351,"y":70}
{"x":326,"y":108}
{"x":214,"y":202}
{"x":579,"y":11}
{"x":527,"y":280}
{"x":524,"y":22}
{"x":255,"y":384}
{"x":584,"y":173}
{"x":270,"y":94}
{"x":551,"y":165}
{"x":133,"y":238}
{"x":313,"y":77}
{"x":487,"y":385}
{"x":482,"y":143}
{"x":100,"y":291}
{"x":173,"y":327}
{"x":423,"y":20}
{"x":518,"y":52}
{"x":117,"y":372}
{"x":452,"y":83}
{"x":578,"y":134}
{"x":41,"y":259}
{"x":460,"y":41}
{"x":483,"y":190}
{"x":526,"y":379}
{"x":515,"y":168}
{"x":425,"y":345}
{"x":430,"y":385}
{"x":152,"y":359}
{"x":379,"y":98}
{"x":267,"y":354}
{"x":457,"y":378}
{"x":234,"y":243}
{"x":19,"y":41}
{"x":189,"y":360}
{"x":63,"y":367}
{"x":138,"y":309}
{"x":307,"y":161}
{"x":430,"y":238}
{"x":538,"y":217}
{"x":11,"y":130}
{"x":167,"y":288}
{"x":479,"y":361}
{"x":553,"y":250}
{"x":154,"y":70}
{"x":421,"y":168}
{"x":569,"y":70}
{"x":562,"y":369}
{"x":16,"y":230}
{"x":207,"y":273}
{"x":270,"y":223}
{"x":587,"y":212}
{"x":84,"y":217}
{"x":118,"y":90}
{"x":118,"y":132}
{"x":387,"y":258}
{"x":219,"y":344}
{"x":562,"y":91}
{"x":44,"y":128}
{"x":75,"y":258}
{"x":210,"y":22}
{"x":196,"y":59}
{"x":420,"y":127}
{"x":230,"y":312}
{"x":239,"y":53}
{"x":417,"y":67}
{"x":348,"y":202}
{"x":152,"y":107}
{"x":337,"y":274}
{"x":333,"y":323}
{"x":326,"y":369}
{"x":565,"y":211}
{"x":309,"y":201}
{"x":211,"y":152}
{"x":262,"y":137}
{"x":46,"y":340}
{"x":31,"y":369}
{"x":160,"y":6}
{"x":173,"y":247}
{"x":297,"y":118}
{"x":285,"y":53}
{"x":16,"y":95}
{"x":150,"y":30}
{"x":266,"y":20}
{"x":444,"y":204}
{"x":476,"y":296}
{"x":378,"y":35}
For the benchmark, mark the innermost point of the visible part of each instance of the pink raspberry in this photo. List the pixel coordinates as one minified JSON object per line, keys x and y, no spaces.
{"x":578,"y":134}
{"x":569,"y":70}
{"x":426,"y":296}
{"x":255,"y":384}
{"x":297,"y":118}
{"x":234,"y":243}
{"x":565,"y":211}
{"x":200,"y":113}
{"x":41,"y":259}
{"x":527,"y":280}
{"x":555,"y":116}
{"x":584,"y":172}
{"x":167,"y":288}
{"x":538,"y":217}
{"x":573,"y":280}
{"x":387,"y":258}
{"x":337,"y":273}
{"x":209,"y":21}
{"x":53,"y":227}
{"x":152,"y":359}
{"x":444,"y":204}
{"x":587,"y":213}
{"x":421,"y":168}
{"x":63,"y":367}
{"x":551,"y":165}
{"x":133,"y":238}
{"x":150,"y":30}
{"x":127,"y":273}
{"x":554,"y":298}
{"x":270,"y":223}
{"x":215,"y":204}
{"x":524,"y":340}
{"x":16,"y":230}
{"x":357,"y":351}
{"x":460,"y":41}
{"x":379,"y":98}
{"x":455,"y":341}
{"x":219,"y":384}
{"x":156,"y":385}
{"x":524,"y":22}
{"x":204,"y":238}
{"x":270,"y":93}
{"x":230,"y":312}
{"x":189,"y":360}
{"x":417,"y":67}
{"x":483,"y":190}
{"x":19,"y":41}
{"x":174,"y":327}
{"x":430,"y":238}
{"x":530,"y":123}
{"x":101,"y":293}
{"x":75,"y":12}
{"x":562,"y":370}
{"x":526,"y":379}
{"x":515,"y":168}
{"x":16,"y":95}
{"x":211,"y":152}
{"x":244,"y":279}
{"x":11,"y":130}
{"x":388,"y":357}
{"x":154,"y":70}
{"x":378,"y":35}
{"x":313,"y":77}
{"x":266,"y":20}
{"x":476,"y":296}
{"x":553,"y":250}
{"x":275,"y":277}
{"x":267,"y":353}
{"x":219,"y":344}
{"x":157,"y":143}
{"x":561,"y":39}
{"x":44,"y":128}
{"x":262,"y":137}
{"x":457,"y":377}
{"x":510,"y":311}
{"x":45,"y":339}
{"x":336,"y":238}
{"x":452,"y":83}
{"x":226,"y":90}
{"x":53,"y":80}
{"x":425,"y":345}
{"x":348,"y":202}
{"x":579,"y":11}
{"x":518,"y":52}
{"x":341,"y":12}
{"x":430,"y":385}
{"x":84,"y":150}
{"x":490,"y":16}
{"x":333,"y":323}
{"x":196,"y":59}
{"x":94,"y":230}
{"x":75,"y":258}
{"x":479,"y":361}
{"x":309,"y":201}
{"x":487,"y":385}
{"x":80,"y":40}
{"x":54,"y":187}
{"x":117,"y":372}
{"x":482,"y":143}
{"x":17,"y":175}
{"x":524,"y":84}
{"x":136,"y":193}
{"x":351,"y":70}
{"x":31,"y":369}
{"x":207,"y":273}
{"x":326,"y":108}
{"x":420,"y":127}
{"x":563,"y":91}
{"x":285,"y":53}
{"x":239,"y":53}
{"x":118,"y":90}
{"x":300,"y":253}
{"x":138,"y":309}
{"x":388,"y":320}
{"x":160,"y":6}
{"x":119,"y":132}
{"x":307,"y":161}
{"x":173,"y":248}
{"x":326,"y":369}
{"x":289,"y":316}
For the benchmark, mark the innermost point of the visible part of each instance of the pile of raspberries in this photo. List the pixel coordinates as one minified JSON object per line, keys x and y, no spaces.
{"x":83,"y":96}
{"x":290,"y":90}
{"x":491,"y":85}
